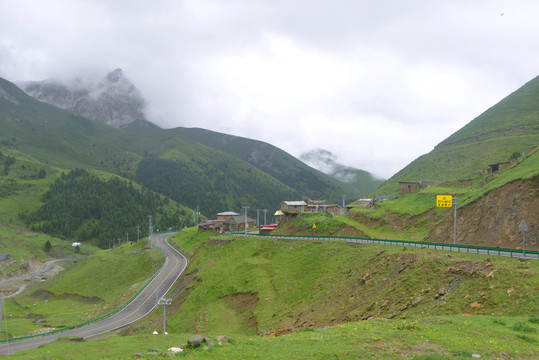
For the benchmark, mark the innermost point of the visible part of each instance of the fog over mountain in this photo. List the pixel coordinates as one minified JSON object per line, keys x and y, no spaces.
{"x":113,"y":100}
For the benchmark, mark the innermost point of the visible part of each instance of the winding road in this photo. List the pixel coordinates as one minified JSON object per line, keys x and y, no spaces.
{"x":143,"y":304}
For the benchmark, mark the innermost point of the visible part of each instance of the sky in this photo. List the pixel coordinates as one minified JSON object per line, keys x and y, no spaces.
{"x":376,"y":82}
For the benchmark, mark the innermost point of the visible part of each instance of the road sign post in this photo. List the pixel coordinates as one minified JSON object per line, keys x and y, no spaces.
{"x":449,"y":201}
{"x":164,"y":302}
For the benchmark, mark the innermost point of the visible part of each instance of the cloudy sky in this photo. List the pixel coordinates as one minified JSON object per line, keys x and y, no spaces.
{"x":376,"y":82}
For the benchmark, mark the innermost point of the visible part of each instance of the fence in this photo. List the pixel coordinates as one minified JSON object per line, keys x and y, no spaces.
{"x":436,"y":246}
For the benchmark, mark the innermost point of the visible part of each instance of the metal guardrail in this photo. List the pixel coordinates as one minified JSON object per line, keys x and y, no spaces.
{"x":513,"y":253}
{"x":102,"y":317}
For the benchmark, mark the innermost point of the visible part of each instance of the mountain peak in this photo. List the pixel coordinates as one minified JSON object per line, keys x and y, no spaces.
{"x":113,"y":100}
{"x":115,"y":75}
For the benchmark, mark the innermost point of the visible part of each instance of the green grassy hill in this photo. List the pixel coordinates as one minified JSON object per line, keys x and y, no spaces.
{"x":505,"y":130}
{"x":271,"y":286}
{"x":303,"y":299}
{"x":86,"y":289}
{"x":490,"y":209}
{"x":163,"y":160}
{"x":310,"y":183}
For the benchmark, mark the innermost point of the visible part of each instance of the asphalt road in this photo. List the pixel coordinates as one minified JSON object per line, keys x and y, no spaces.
{"x":144,"y":303}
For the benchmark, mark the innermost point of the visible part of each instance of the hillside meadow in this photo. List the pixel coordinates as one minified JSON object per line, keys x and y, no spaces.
{"x":316,"y":300}
{"x":87,"y":288}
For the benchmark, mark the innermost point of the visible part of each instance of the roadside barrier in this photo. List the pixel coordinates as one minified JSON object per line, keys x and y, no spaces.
{"x":533,"y":255}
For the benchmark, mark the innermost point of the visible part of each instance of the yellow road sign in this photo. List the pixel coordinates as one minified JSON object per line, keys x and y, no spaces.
{"x":314,"y":226}
{"x":444,"y":201}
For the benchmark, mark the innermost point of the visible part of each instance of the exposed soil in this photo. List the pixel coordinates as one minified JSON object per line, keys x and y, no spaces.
{"x":47,"y":295}
{"x":244,"y":303}
{"x":494,"y":220}
{"x":491,"y":221}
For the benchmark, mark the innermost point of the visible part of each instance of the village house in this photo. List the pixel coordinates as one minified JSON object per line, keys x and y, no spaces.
{"x":322,"y":206}
{"x":371,"y":202}
{"x":237,"y":223}
{"x":407,"y":187}
{"x":293,"y":206}
{"x":226,"y":215}
{"x":267,"y":229}
{"x":494,"y":168}
{"x":226,"y":222}
{"x":210,"y":225}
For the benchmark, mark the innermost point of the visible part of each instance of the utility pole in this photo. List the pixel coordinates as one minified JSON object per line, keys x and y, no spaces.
{"x":343,"y":198}
{"x":126,"y":237}
{"x":2,"y":311}
{"x":245,"y":208}
{"x":150,"y":230}
{"x":257,"y":217}
{"x":265,"y":212}
{"x":195,"y":216}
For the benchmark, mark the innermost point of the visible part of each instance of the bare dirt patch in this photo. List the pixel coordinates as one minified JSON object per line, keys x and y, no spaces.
{"x":244,"y":304}
{"x":493,"y":220}
{"x":47,"y":295}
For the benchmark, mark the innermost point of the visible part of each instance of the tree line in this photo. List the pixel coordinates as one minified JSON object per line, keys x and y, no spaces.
{"x":213,"y":186}
{"x":83,"y":207}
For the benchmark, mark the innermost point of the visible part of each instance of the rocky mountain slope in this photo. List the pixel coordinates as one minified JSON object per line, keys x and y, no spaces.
{"x":113,"y":100}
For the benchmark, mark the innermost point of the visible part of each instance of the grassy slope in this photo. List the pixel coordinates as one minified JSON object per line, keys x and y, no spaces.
{"x":449,"y":337}
{"x":21,"y":192}
{"x":413,"y":216}
{"x":322,"y":289}
{"x":311,"y":183}
{"x":506,"y":128}
{"x":54,"y":137}
{"x":93,"y":286}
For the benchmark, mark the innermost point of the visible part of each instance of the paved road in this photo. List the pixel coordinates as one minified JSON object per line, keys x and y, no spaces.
{"x":175,"y":264}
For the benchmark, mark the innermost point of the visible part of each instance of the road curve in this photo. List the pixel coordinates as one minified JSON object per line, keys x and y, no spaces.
{"x":144,"y":303}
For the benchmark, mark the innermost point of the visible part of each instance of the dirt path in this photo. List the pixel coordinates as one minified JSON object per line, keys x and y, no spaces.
{"x":46,"y":271}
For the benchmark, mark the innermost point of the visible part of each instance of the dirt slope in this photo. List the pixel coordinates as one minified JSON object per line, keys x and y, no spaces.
{"x":494,"y":219}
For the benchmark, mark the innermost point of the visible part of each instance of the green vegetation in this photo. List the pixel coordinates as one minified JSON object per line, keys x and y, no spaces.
{"x":81,"y":206}
{"x":24,"y":244}
{"x":279,"y":299}
{"x":165,"y":161}
{"x":74,"y":296}
{"x":508,"y":128}
{"x":284,"y":167}
{"x":448,"y":337}
{"x":260,"y":286}
{"x":226,"y":182}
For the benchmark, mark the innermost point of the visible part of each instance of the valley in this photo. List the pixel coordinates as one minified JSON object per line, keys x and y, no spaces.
{"x":66,"y":176}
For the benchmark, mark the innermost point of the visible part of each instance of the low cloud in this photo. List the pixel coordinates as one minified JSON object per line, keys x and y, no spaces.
{"x":376,"y":83}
